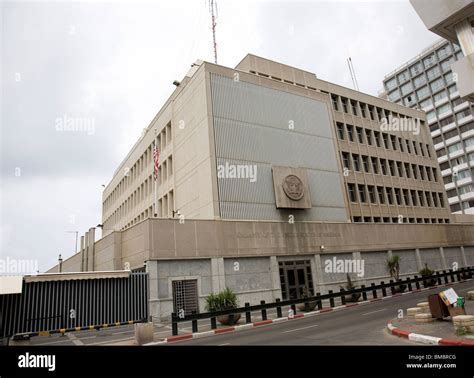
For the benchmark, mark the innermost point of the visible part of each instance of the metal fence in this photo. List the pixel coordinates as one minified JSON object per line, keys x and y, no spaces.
{"x":67,"y":305}
{"x":410,"y":284}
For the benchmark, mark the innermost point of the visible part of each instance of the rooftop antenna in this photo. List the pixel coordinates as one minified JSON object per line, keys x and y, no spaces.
{"x":214,"y":15}
{"x":353,"y":75}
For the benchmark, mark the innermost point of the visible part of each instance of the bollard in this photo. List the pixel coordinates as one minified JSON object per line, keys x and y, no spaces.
{"x":384,"y":291}
{"x":446,"y":281}
{"x":248,"y":315}
{"x":194,"y":322}
{"x":213,"y":323}
{"x":331,"y":300}
{"x":293,"y":308}
{"x":364,"y":293}
{"x":438,"y":277}
{"x":452,"y":275}
{"x":174,"y":325}
{"x":392,"y":288}
{"x":279,"y":314}
{"x":417,"y":283}
{"x":264,"y":311}
{"x":409,"y":284}
{"x":319,"y":303}
{"x":374,"y":291}
{"x":343,"y":297}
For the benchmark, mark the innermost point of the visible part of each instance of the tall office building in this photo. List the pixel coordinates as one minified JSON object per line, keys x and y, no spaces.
{"x":427,"y":82}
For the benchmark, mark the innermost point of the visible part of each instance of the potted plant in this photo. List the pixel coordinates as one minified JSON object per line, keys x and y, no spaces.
{"x":393,"y":266}
{"x":311,"y":305}
{"x":350,"y":286}
{"x":224,"y":300}
{"x":427,"y":272}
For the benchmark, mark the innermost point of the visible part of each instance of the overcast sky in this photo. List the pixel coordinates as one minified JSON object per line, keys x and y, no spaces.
{"x":109,"y":66}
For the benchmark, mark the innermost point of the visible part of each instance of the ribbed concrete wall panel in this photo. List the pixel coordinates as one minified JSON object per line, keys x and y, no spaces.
{"x":251,"y":128}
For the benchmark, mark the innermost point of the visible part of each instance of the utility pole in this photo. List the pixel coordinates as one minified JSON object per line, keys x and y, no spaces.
{"x":212,"y":9}
{"x":77,"y":234}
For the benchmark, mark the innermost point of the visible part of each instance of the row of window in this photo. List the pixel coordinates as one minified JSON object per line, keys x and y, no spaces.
{"x":456,"y":147}
{"x":375,"y":165}
{"x":461,"y":205}
{"x":399,"y":219}
{"x":469,"y":188}
{"x":361,"y":193}
{"x":144,"y":163}
{"x":381,"y":139}
{"x":454,"y":132}
{"x":420,"y":66}
{"x":458,"y":175}
{"x":457,"y":161}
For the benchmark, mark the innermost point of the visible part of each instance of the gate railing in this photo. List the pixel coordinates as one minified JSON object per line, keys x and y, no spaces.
{"x":72,"y":305}
{"x":413,"y":284}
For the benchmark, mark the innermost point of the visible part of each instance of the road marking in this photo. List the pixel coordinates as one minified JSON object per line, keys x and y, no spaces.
{"x":373,"y":312}
{"x":299,"y":329}
{"x":53,"y":342}
{"x":88,"y":337}
{"x":74,"y":339}
{"x":112,"y":341}
{"x":121,"y":333}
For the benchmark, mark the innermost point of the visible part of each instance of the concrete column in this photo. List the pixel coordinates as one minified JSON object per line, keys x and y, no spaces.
{"x":218,"y":274}
{"x":82,"y":254}
{"x":463,"y":253}
{"x":317,"y":272}
{"x":91,"y":261}
{"x":443,"y":258}
{"x":418,"y":259}
{"x":154,"y":300}
{"x":276,"y":284}
{"x":465,"y":37}
{"x":86,"y":252}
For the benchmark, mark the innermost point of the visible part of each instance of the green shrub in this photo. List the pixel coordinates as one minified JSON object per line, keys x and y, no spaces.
{"x":426,"y":271}
{"x":224,"y":300}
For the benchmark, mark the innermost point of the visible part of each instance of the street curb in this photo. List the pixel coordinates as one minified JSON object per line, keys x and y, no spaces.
{"x":425,"y":339}
{"x":263,"y":323}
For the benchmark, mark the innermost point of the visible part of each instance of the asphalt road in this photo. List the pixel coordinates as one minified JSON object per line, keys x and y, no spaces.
{"x":359,"y":325}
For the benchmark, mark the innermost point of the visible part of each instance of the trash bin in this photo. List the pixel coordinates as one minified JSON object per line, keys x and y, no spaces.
{"x":437,"y":307}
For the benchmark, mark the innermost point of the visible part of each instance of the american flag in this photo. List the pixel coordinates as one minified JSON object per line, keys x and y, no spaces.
{"x":156,"y":160}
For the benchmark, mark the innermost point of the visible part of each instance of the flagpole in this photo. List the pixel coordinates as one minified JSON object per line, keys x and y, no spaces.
{"x":156,"y":179}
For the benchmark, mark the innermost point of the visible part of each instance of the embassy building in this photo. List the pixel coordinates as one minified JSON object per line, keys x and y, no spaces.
{"x":268,"y":178}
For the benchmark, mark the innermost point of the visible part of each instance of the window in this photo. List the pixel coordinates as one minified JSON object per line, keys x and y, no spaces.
{"x":391,"y":165}
{"x":439,"y":96}
{"x":345,"y":160}
{"x":443,"y":109}
{"x":390,"y":84}
{"x":466,"y":189}
{"x":406,"y":88}
{"x":354,"y":108}
{"x":356,"y":162}
{"x":408,"y":146}
{"x":185,"y":296}
{"x":425,"y":103}
{"x":421,"y":199}
{"x":419,"y":81}
{"x":360,"y":136}
{"x":422,"y":172}
{"x":407,"y":170}
{"x":381,"y":194}
{"x":362,"y":195}
{"x":415,"y":149}
{"x":350,"y":132}
{"x":385,"y":140}
{"x":352,"y":192}
{"x":371,"y":112}
{"x":344,"y":104}
{"x":455,"y":147}
{"x":463,"y":174}
{"x":444,"y":51}
{"x":437,"y":84}
{"x":394,"y":95}
{"x":403,"y":77}
{"x":389,"y":194}
{"x":428,"y":199}
{"x":334,"y":103}
{"x":414,"y":201}
{"x":441,"y":199}
{"x":446,"y":64}
{"x":423,"y":92}
{"x":377,"y":138}
{"x":368,"y":136}
{"x":414,"y":171}
{"x":393,"y":140}
{"x":383,"y":166}
{"x":416,"y":69}
{"x":398,"y":196}
{"x":429,"y":61}
{"x":465,"y":113}
{"x":375,"y":167}
{"x":371,"y":191}
{"x":433,"y":73}
{"x":365,"y":163}
{"x":362,"y":109}
{"x":399,"y":168}
{"x":400,"y":143}
{"x":340,"y":130}
{"x":448,"y":77}
{"x":452,"y":89}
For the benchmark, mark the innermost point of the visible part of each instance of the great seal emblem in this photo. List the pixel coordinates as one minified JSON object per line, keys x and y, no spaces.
{"x":293,"y":187}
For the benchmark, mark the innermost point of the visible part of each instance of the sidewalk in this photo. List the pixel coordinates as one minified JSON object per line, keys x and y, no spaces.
{"x":440,"y":329}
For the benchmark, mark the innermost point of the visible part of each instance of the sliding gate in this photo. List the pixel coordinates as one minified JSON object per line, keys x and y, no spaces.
{"x":73,"y":304}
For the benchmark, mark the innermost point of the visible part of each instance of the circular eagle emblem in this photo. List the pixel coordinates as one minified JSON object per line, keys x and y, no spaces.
{"x":293,"y":187}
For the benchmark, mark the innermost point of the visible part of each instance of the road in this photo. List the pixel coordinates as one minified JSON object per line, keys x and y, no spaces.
{"x":359,"y":325}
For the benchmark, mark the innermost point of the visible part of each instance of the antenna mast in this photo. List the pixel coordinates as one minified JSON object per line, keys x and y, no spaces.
{"x":212,"y":10}
{"x":353,"y":75}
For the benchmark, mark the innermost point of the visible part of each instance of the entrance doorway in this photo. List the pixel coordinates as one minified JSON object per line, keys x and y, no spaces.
{"x":296,"y":279}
